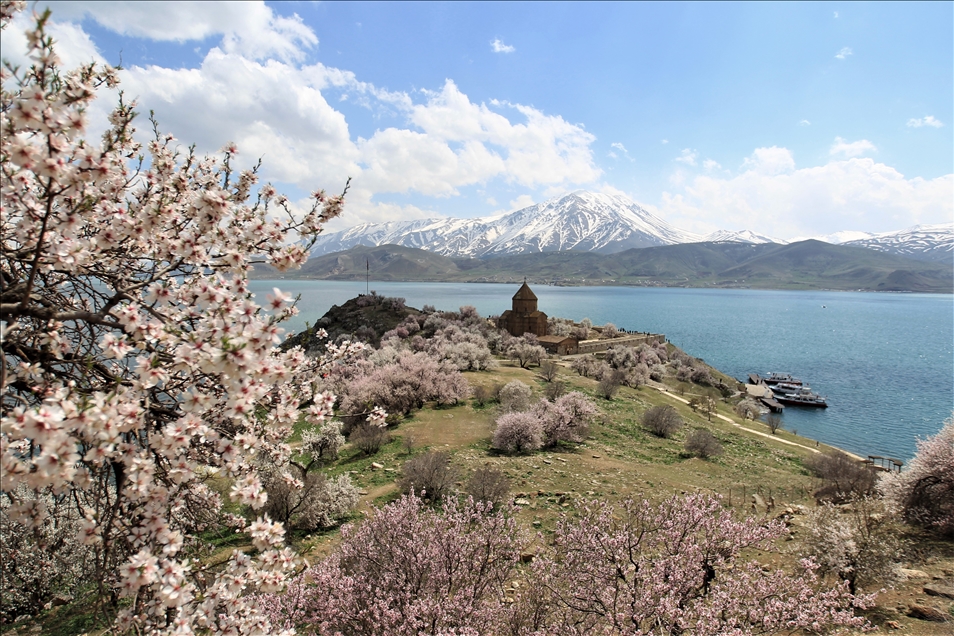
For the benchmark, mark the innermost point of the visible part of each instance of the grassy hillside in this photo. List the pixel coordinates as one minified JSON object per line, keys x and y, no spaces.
{"x":620,"y":460}
{"x":810,"y":263}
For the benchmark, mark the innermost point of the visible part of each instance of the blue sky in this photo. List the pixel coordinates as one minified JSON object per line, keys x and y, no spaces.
{"x":788,"y":119}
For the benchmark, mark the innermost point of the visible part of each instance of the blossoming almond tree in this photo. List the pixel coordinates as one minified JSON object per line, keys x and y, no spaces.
{"x":638,"y":569}
{"x":676,"y":567}
{"x":924,"y":491}
{"x":410,"y":570}
{"x":137,"y":372}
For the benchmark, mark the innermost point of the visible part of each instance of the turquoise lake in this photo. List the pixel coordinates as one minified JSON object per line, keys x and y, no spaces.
{"x":885,"y":361}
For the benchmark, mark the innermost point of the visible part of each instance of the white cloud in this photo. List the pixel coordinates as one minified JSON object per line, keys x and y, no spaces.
{"x":621,"y":148}
{"x":497,"y":46}
{"x":542,"y":150}
{"x":836,"y":14}
{"x":688,"y":157}
{"x":927,"y":120}
{"x":804,"y":122}
{"x":849,"y":149}
{"x":73,"y":45}
{"x":250,"y":28}
{"x":281,"y":112}
{"x":252,"y":88}
{"x":607,"y":188}
{"x":769,"y":161}
{"x":711,"y":164}
{"x":521,"y":202}
{"x":664,"y":141}
{"x":774,"y":197}
{"x":844,"y":53}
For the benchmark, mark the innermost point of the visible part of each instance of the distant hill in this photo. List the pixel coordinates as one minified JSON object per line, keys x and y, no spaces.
{"x":813,"y":264}
{"x":807,"y":264}
{"x":388,"y":262}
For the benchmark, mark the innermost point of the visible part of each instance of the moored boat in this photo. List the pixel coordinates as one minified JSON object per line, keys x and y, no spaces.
{"x":802,"y":397}
{"x":786,"y":387}
{"x":776,"y":378}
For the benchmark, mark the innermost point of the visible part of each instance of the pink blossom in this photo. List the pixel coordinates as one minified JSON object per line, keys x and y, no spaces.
{"x":119,"y":263}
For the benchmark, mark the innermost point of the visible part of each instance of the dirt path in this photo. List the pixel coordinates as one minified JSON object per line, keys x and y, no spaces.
{"x":366,"y":502}
{"x":753,"y":431}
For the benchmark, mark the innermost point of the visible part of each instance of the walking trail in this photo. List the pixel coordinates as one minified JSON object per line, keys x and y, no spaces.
{"x":774,"y":438}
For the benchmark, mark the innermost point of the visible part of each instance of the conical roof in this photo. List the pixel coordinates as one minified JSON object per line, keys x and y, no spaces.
{"x":524,"y":293}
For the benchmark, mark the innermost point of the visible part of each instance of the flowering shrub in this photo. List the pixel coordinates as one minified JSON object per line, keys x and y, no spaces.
{"x":323,"y":443}
{"x":460,"y":338}
{"x":924,"y":491}
{"x":671,"y":568}
{"x":514,"y":396}
{"x":39,"y":563}
{"x":657,"y":373}
{"x":622,"y":357}
{"x":640,"y":568}
{"x":857,"y":543}
{"x":585,"y":364}
{"x":701,"y":375}
{"x":566,"y":419}
{"x":650,"y":355}
{"x":559,"y":326}
{"x":387,"y":302}
{"x":518,"y":433}
{"x":309,"y":503}
{"x":298,"y":495}
{"x":136,"y":365}
{"x":546,"y":424}
{"x":402,"y":386}
{"x":525,"y":350}
{"x":467,"y":356}
{"x":582,"y":331}
{"x":409,"y":570}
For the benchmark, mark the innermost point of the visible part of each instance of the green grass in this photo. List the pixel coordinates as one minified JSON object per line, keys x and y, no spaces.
{"x":620,"y":459}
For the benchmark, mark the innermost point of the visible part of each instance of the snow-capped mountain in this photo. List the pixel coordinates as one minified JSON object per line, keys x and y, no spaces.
{"x":923,"y":242}
{"x":596,"y":222}
{"x":581,"y":221}
{"x":742,"y":236}
{"x":837,"y":238}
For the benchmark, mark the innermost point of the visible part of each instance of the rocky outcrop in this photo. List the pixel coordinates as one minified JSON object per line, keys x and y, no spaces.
{"x":365,"y":318}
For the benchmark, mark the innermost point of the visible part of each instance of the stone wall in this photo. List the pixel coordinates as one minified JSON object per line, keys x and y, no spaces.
{"x":594,"y":346}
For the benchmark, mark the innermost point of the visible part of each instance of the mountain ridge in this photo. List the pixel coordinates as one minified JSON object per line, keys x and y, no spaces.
{"x":809,"y":264}
{"x":584,"y":221}
{"x":578,"y":221}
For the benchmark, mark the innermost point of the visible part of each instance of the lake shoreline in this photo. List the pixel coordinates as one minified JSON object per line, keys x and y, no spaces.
{"x":542,"y":283}
{"x":884,"y":361}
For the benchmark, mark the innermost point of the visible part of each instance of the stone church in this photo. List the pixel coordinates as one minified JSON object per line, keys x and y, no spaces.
{"x":524,"y":317}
